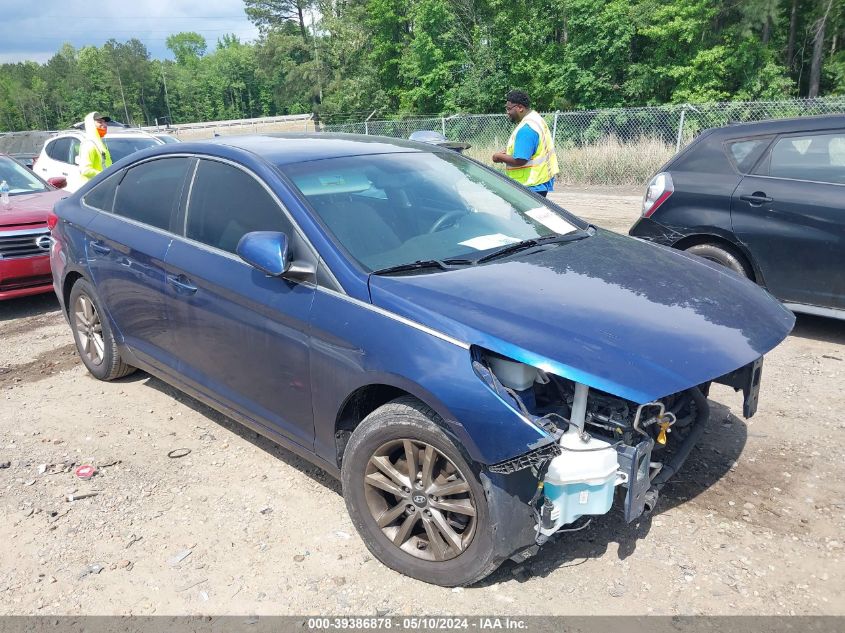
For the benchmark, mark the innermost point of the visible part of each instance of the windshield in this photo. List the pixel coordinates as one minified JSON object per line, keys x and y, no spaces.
{"x":19,"y":178}
{"x":392,"y":209}
{"x":122,"y":147}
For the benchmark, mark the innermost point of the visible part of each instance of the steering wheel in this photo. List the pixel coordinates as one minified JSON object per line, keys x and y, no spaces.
{"x":445,"y":220}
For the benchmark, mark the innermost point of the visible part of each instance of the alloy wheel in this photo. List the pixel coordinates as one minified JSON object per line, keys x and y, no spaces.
{"x":420,"y":500}
{"x":89,"y":330}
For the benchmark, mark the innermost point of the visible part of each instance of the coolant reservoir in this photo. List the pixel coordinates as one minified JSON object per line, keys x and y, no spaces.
{"x":581,"y":480}
{"x":514,"y":375}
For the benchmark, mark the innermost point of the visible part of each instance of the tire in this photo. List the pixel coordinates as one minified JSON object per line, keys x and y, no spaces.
{"x":93,"y":336}
{"x":386,"y":434}
{"x":721,"y":256}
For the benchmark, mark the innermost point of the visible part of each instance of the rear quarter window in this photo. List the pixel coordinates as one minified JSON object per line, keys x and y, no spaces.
{"x":59,"y":149}
{"x":706,"y":157}
{"x":745,"y":153}
{"x":102,"y":196}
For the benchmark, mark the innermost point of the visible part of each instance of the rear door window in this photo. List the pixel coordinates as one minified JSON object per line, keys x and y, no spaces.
{"x":814,"y":157}
{"x":226,"y":203}
{"x":151,"y":192}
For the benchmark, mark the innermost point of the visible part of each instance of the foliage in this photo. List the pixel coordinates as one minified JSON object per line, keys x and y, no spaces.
{"x":344,"y":59}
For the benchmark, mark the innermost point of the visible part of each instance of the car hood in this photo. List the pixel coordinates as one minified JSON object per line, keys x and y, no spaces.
{"x":31,"y":208}
{"x":629,"y":318}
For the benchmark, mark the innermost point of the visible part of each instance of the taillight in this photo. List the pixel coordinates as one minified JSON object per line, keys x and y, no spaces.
{"x":52,"y":220}
{"x":657,"y":192}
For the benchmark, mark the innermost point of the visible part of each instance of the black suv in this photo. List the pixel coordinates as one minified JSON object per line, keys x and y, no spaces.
{"x":765,"y":199}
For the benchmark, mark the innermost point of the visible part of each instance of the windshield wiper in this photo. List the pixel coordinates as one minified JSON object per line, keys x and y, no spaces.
{"x":442,"y":264}
{"x":537,"y":241}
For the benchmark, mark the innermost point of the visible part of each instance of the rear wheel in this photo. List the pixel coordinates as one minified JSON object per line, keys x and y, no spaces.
{"x":721,"y":256}
{"x":414,"y":499}
{"x":93,"y":336}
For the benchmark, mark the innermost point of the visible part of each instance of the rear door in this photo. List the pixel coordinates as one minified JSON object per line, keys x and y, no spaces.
{"x":790,"y":213}
{"x":241,"y":337}
{"x":126,"y":246}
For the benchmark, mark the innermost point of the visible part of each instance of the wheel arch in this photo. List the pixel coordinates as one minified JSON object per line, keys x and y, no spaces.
{"x":367,"y":398}
{"x":729,"y":244}
{"x":67,"y":285}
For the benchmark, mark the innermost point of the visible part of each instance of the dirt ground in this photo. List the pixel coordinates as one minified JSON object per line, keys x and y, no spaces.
{"x":753,"y":524}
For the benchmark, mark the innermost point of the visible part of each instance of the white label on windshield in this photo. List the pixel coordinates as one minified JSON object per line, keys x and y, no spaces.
{"x":483,"y":242}
{"x":550,"y":220}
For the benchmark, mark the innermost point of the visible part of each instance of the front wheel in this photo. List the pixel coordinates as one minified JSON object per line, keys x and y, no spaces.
{"x":415,"y":501}
{"x":93,"y":336}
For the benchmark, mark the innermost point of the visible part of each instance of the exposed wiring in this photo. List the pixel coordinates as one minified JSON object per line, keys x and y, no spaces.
{"x":519,"y":402}
{"x":575,"y":529}
{"x":582,"y":450}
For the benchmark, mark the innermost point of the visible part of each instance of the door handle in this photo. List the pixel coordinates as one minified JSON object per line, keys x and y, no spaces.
{"x":756,"y":199}
{"x":101,"y":249}
{"x":181,"y":284}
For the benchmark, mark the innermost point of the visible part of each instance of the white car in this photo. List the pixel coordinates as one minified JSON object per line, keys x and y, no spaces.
{"x":60,"y":154}
{"x":167,"y":138}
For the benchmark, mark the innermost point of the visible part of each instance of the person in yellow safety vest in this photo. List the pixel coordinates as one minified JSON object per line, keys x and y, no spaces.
{"x":530,"y":157}
{"x":94,"y":156}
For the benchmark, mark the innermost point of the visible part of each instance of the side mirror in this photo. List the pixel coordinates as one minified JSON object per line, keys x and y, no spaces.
{"x":269,"y":252}
{"x":265,"y":250}
{"x":59,"y":182}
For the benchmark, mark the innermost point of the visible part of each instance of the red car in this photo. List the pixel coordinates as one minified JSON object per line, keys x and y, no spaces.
{"x":24,"y":236}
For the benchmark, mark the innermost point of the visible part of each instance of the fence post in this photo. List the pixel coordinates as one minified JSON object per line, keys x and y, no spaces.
{"x":554,"y":127}
{"x":367,"y":122}
{"x":443,"y":125}
{"x":680,"y":128}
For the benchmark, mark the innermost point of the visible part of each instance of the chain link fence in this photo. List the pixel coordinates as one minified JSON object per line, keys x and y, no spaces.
{"x":618,"y":146}
{"x":30,"y":142}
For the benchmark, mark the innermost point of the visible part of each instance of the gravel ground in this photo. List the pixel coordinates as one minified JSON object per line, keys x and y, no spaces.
{"x":753,"y":524}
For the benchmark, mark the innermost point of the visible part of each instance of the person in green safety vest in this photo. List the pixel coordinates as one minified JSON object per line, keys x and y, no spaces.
{"x":94,"y":155}
{"x":530,"y":157}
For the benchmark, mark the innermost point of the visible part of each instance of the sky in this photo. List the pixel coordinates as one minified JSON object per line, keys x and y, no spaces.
{"x":36,"y":29}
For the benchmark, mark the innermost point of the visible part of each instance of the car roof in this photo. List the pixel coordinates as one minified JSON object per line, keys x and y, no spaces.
{"x":113,"y":133}
{"x":781,"y":126}
{"x":299,"y":147}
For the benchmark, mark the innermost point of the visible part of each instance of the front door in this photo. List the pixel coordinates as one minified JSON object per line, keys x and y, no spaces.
{"x":241,"y":337}
{"x":791,"y":216}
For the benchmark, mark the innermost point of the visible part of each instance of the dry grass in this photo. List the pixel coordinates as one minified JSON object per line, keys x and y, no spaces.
{"x":607,"y":162}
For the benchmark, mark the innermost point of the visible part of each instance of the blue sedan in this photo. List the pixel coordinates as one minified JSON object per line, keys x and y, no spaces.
{"x":480,"y":368}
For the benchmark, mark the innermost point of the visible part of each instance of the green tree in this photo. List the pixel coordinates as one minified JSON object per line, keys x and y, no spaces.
{"x":187,"y":47}
{"x":269,"y":14}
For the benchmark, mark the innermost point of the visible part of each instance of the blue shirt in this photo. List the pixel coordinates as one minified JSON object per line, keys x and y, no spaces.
{"x":524,"y":146}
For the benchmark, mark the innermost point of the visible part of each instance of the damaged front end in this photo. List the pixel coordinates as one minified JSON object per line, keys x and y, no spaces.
{"x":600,"y":442}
